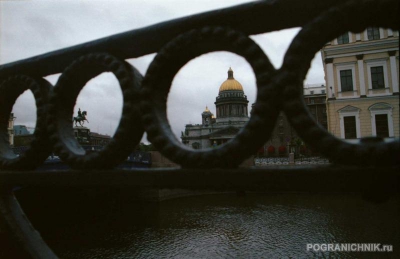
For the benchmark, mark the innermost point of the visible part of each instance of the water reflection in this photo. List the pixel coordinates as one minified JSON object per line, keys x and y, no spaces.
{"x":215,"y":226}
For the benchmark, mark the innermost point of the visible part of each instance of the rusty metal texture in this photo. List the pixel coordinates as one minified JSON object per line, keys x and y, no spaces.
{"x":39,"y":149}
{"x":169,"y":61}
{"x":276,"y":90}
{"x":61,"y":105}
{"x":297,"y":61}
{"x":176,"y":42}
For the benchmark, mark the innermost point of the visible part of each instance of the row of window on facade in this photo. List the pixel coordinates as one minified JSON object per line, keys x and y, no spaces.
{"x":365,"y":69}
{"x":315,"y":100}
{"x":381,"y":121}
{"x":232,"y":95}
{"x":373,"y":33}
{"x":377,"y":79}
{"x":381,"y":126}
{"x":322,"y":92}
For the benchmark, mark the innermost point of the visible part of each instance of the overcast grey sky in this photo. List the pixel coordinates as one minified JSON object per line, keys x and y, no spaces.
{"x":29,"y":28}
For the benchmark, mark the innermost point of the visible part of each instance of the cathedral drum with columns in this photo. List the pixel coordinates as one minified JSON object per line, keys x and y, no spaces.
{"x":232,"y":114}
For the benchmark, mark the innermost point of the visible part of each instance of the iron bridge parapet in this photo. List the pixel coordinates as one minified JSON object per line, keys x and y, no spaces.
{"x":370,"y":166}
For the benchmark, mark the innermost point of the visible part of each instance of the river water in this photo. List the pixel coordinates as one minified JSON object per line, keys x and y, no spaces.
{"x":218,"y":226}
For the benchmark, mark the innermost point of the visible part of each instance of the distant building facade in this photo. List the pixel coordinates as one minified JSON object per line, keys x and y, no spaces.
{"x":362,"y":83}
{"x":284,"y":138}
{"x":315,"y":99}
{"x":19,"y":136}
{"x":98,"y":139}
{"x":232,"y":114}
{"x":21,"y":130}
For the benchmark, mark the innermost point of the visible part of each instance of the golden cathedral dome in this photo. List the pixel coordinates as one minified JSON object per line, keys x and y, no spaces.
{"x":230,"y":83}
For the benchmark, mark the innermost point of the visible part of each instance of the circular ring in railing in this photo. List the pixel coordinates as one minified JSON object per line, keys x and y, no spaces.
{"x":313,"y":37}
{"x":157,"y":82}
{"x":38,"y":150}
{"x":62,"y":101}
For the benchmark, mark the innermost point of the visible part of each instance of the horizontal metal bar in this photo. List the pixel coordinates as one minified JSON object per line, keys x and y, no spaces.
{"x":250,"y":18}
{"x":272,"y":179}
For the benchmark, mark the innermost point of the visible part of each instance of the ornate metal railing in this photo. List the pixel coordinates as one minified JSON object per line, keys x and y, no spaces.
{"x":144,"y":108}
